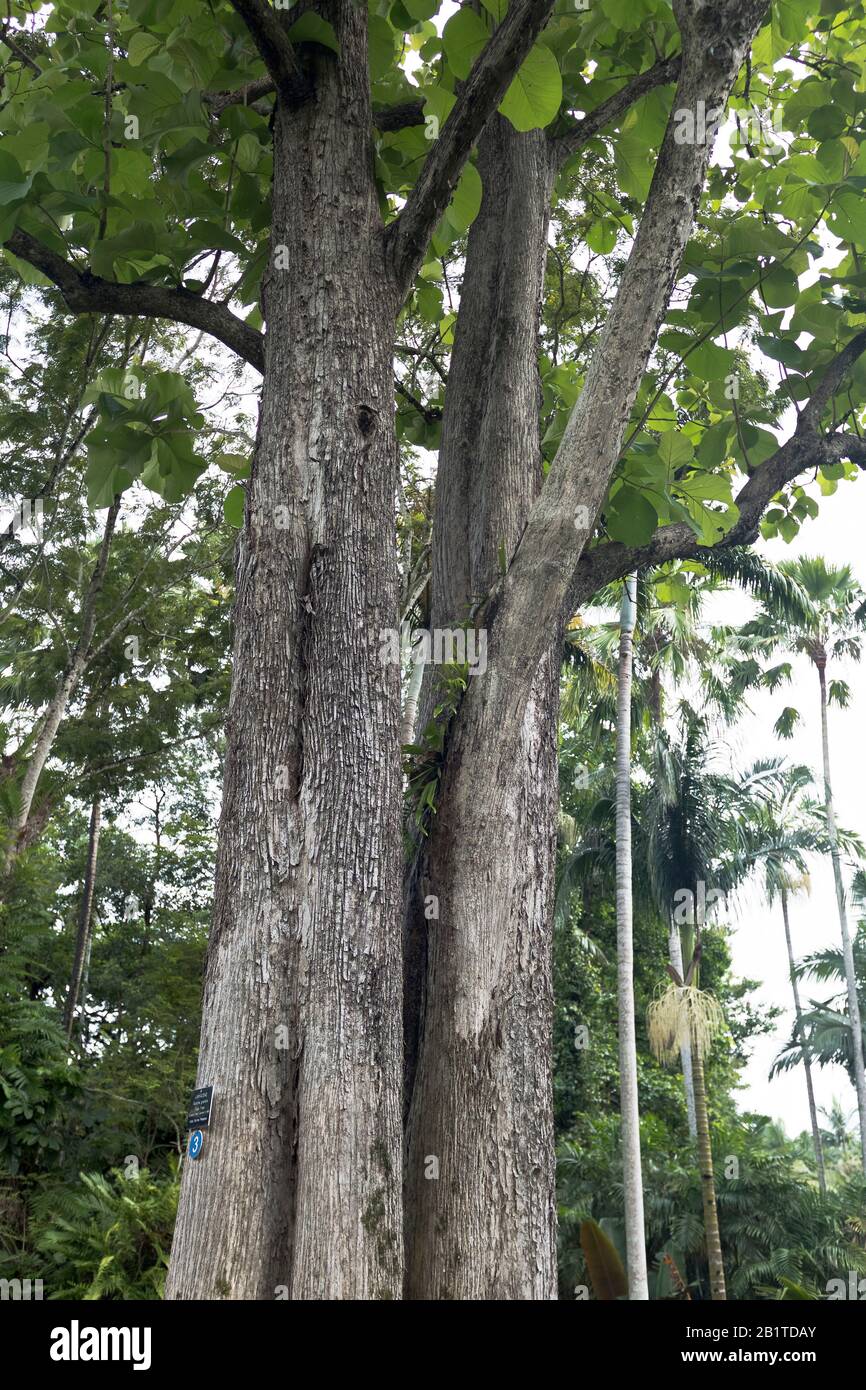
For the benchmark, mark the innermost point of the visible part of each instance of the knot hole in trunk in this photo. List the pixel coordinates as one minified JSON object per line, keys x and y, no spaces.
{"x":366,"y":419}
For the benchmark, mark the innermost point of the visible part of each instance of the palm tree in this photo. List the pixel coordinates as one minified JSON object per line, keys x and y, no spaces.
{"x":680,"y":1012}
{"x":694,"y":816}
{"x":682,"y":853}
{"x":825,"y":1024}
{"x":830,"y":627}
{"x":631,"y":1156}
{"x":778,"y":837}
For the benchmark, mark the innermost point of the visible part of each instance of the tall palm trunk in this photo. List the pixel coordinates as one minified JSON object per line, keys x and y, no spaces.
{"x":807,"y":1063}
{"x":847,"y":948}
{"x":708,"y":1186}
{"x":628,"y":1091}
{"x":675,"y":956}
{"x":82,"y":942}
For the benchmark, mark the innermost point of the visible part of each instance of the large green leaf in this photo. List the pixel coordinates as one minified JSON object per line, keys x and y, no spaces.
{"x":535,"y":95}
{"x":606,"y":1271}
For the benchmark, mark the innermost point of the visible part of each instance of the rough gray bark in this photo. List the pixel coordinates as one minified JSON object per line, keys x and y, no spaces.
{"x":82,"y":939}
{"x":807,"y":1061}
{"x":299,"y":1186}
{"x":305,"y":939}
{"x":847,"y":946}
{"x":478,"y":1103}
{"x":632,"y":1177}
{"x":479,"y":995}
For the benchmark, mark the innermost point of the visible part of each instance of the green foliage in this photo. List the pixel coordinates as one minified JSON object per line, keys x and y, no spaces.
{"x":609,"y":1279}
{"x":109,"y":1238}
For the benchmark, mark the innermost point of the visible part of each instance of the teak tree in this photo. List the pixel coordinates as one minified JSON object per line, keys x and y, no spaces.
{"x":285,"y":150}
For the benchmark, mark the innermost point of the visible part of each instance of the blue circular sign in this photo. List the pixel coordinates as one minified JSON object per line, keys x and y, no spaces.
{"x":196,"y":1144}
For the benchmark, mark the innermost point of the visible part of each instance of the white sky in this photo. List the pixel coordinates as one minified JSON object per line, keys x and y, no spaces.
{"x":758,"y":941}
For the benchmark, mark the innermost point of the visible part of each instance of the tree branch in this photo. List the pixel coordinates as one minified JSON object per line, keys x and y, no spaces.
{"x":563,"y":146}
{"x":399,"y":116}
{"x":481,"y":93}
{"x":85,"y":293}
{"x":386,"y":118}
{"x":807,"y":448}
{"x":6,"y":36}
{"x":275,"y":50}
{"x":247,"y":95}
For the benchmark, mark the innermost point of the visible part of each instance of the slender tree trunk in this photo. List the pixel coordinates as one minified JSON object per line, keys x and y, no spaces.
{"x":635,"y":1235}
{"x":299,"y":1185}
{"x":54,"y":714}
{"x":410,"y":704}
{"x":675,"y":956}
{"x":82,"y":940}
{"x":847,"y":946}
{"x":708,"y":1185}
{"x":807,"y":1061}
{"x":479,"y":991}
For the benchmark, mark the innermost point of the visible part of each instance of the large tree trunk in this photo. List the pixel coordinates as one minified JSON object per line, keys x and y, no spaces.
{"x":299,"y":1186}
{"x":85,"y":913}
{"x":804,"y":1045}
{"x":478,"y":1064}
{"x":632,"y":1177}
{"x":479,"y":994}
{"x":708,"y":1186}
{"x":847,"y":946}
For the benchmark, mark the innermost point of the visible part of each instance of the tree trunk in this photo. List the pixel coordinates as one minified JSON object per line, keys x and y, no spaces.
{"x":807,"y":1061}
{"x":68,"y":684}
{"x":628,"y":1086}
{"x":479,"y":992}
{"x":82,"y":940}
{"x":675,"y":956}
{"x":708,"y":1186}
{"x":299,"y":1186}
{"x":410,"y":704}
{"x":847,"y":947}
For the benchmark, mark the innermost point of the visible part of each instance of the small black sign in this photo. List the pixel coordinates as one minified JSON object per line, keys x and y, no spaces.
{"x":198,"y":1116}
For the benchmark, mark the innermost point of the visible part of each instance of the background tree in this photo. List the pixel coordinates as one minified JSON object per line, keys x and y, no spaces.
{"x":831,"y":630}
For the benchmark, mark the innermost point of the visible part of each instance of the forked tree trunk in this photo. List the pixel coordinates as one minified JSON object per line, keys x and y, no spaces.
{"x":479,"y":992}
{"x":804,"y":1046}
{"x":708,"y":1185}
{"x":847,"y":946}
{"x":299,"y":1184}
{"x":85,"y":915}
{"x":478,"y":1064}
{"x":632,"y":1177}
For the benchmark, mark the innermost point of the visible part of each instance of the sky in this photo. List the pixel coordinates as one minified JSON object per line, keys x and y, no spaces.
{"x":758,"y":942}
